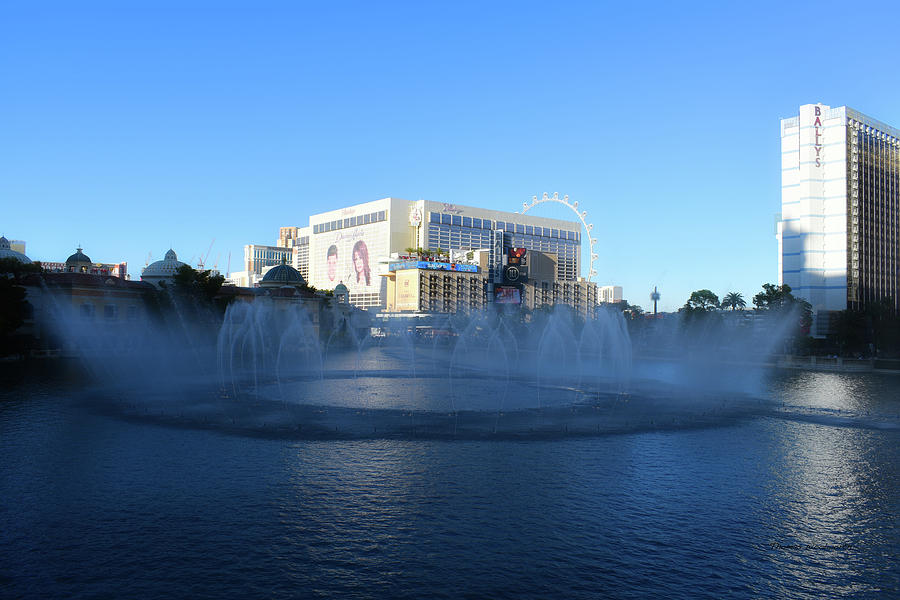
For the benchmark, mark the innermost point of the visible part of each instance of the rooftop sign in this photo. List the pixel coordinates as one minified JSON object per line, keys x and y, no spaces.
{"x":433,"y":266}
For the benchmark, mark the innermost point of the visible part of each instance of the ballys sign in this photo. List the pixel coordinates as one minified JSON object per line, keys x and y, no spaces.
{"x":817,"y":129}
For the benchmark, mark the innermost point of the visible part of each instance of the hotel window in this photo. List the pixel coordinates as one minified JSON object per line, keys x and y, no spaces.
{"x":457,"y":220}
{"x":529,"y":230}
{"x":467,"y":221}
{"x":382,"y":215}
{"x":346,"y":222}
{"x":476,"y":223}
{"x":554,"y":233}
{"x":445,"y":219}
{"x":366,"y":219}
{"x":435,"y":217}
{"x":110,"y":312}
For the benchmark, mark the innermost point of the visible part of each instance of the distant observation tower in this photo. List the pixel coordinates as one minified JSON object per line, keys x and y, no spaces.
{"x":654,"y":295}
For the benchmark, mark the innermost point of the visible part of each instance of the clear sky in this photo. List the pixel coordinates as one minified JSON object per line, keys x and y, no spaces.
{"x":132,"y":127}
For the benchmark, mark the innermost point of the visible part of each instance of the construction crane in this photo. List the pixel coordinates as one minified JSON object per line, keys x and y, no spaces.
{"x":201,"y":263}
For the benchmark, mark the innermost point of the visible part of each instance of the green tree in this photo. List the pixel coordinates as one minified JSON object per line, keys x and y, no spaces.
{"x":629,"y":311}
{"x":734,"y":300}
{"x":17,"y":269}
{"x":13,"y":307}
{"x":774,"y":296}
{"x":199,"y":284}
{"x":701,"y":301}
{"x":778,"y":300}
{"x":849,"y":332}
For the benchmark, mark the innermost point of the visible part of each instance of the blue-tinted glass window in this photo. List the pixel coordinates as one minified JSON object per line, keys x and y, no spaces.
{"x":467,"y":221}
{"x":445,"y":219}
{"x":346,"y":222}
{"x":476,"y":223}
{"x":529,"y":230}
{"x":382,"y":215}
{"x":435,"y":217}
{"x":520,"y":229}
{"x":457,"y":220}
{"x":554,"y":233}
{"x":487,"y":224}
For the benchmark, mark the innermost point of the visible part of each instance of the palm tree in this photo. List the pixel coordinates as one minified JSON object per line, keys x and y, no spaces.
{"x":734,"y":300}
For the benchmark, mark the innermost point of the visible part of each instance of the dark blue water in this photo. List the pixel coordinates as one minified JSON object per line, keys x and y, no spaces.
{"x":799,"y":499}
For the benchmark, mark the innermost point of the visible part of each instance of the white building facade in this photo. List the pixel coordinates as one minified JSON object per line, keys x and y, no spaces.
{"x":353,"y":245}
{"x":609,"y":294}
{"x":838,"y":234}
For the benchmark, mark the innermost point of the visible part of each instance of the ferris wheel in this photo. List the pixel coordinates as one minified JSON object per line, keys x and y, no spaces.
{"x":582,"y":216}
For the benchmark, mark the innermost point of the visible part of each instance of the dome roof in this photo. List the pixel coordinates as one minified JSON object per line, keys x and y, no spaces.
{"x":6,"y":251}
{"x":341,"y":289}
{"x":163,"y":268}
{"x":79,"y":259}
{"x":283,"y":274}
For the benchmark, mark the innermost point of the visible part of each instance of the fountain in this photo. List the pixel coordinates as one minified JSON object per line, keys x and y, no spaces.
{"x":277,"y":368}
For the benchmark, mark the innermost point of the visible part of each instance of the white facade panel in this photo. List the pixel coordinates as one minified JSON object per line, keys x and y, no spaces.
{"x":814,"y":206}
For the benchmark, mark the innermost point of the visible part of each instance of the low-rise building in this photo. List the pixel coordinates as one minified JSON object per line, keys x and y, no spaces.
{"x":609,"y":294}
{"x":79,"y":262}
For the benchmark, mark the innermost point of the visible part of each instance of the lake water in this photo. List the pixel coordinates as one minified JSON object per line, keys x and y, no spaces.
{"x":792,"y":492}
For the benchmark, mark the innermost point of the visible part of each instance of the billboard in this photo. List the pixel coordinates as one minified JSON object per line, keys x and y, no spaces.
{"x":507,"y":294}
{"x":350,"y":256}
{"x":516,"y":270}
{"x":434,"y":266}
{"x":407,"y":287}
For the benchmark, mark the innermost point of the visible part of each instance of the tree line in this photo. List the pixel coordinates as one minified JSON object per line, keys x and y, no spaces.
{"x":873,"y":331}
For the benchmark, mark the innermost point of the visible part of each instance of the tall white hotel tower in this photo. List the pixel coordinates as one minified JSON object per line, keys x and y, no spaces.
{"x":839,"y":233}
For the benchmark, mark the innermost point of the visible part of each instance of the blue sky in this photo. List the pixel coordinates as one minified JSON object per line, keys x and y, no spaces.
{"x":133,"y":127}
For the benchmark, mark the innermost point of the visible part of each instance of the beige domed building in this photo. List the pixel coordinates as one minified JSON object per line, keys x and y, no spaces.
{"x":79,"y":263}
{"x":6,"y":251}
{"x":162,"y":270}
{"x":283,"y":275}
